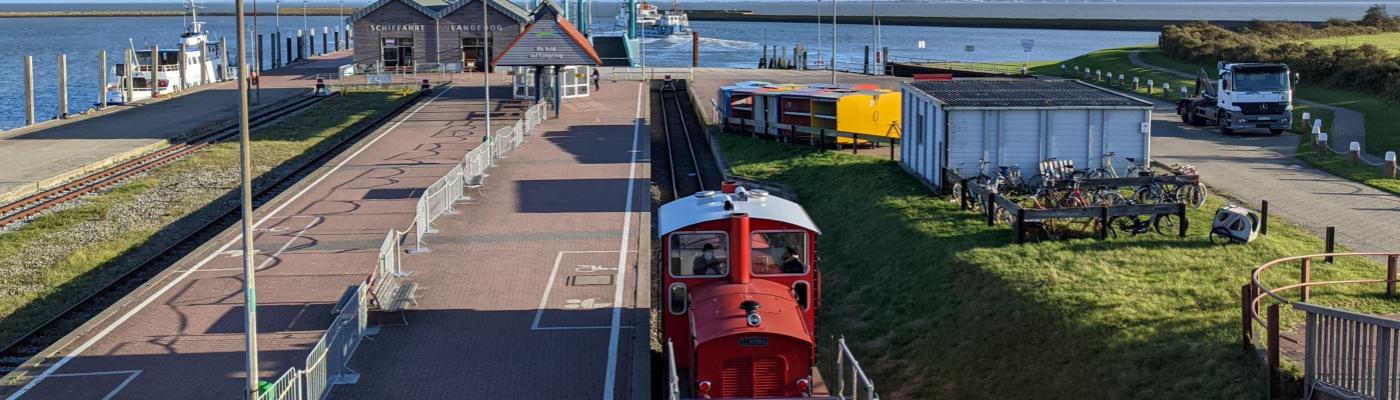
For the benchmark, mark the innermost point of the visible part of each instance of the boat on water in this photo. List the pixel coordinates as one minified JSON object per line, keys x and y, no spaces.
{"x":191,"y":62}
{"x":652,"y":22}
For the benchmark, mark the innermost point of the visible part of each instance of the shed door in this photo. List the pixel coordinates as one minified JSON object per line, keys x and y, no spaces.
{"x":965,"y":141}
{"x":1020,"y":139}
{"x":1123,"y":135}
{"x":1069,"y":136}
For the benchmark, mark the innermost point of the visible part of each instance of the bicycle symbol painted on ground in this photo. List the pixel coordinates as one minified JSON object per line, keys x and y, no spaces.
{"x":592,"y":268}
{"x":584,"y":304}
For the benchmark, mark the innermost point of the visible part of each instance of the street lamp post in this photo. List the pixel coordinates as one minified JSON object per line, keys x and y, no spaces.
{"x":250,"y":296}
{"x":833,"y":42}
{"x":486,"y":69}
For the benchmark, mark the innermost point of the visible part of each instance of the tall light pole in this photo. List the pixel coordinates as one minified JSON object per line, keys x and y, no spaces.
{"x":819,"y":29}
{"x":486,"y":69}
{"x":257,"y":56}
{"x":833,"y":42}
{"x":250,"y":294}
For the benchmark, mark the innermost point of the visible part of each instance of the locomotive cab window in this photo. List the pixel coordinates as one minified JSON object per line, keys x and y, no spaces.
{"x":700,"y":254}
{"x":779,"y":253}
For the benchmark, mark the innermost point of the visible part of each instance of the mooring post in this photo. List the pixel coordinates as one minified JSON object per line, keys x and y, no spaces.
{"x":1264,"y":217}
{"x":204,"y":77}
{"x":1305,"y":277}
{"x":63,"y":86}
{"x":258,"y":64}
{"x":1275,"y":377}
{"x":128,"y":81}
{"x":102,"y":79}
{"x":694,"y":49}
{"x":223,"y":55}
{"x":1390,"y":265}
{"x":273,"y":39}
{"x":183,"y":65}
{"x":154,"y":80}
{"x":1331,"y":242}
{"x":301,"y":45}
{"x":337,"y":38}
{"x":29,"y":90}
{"x":865,"y":67}
{"x":289,"y":52}
{"x":1247,"y":325}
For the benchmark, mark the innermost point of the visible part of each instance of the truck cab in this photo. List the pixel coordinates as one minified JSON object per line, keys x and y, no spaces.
{"x":1247,"y":96}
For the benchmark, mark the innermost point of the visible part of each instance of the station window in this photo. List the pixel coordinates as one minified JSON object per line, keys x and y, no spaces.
{"x":699,"y":254}
{"x":779,"y":253}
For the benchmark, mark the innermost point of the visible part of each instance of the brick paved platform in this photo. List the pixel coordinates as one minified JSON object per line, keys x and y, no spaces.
{"x":532,"y":292}
{"x":180,"y":336}
{"x":44,"y":156}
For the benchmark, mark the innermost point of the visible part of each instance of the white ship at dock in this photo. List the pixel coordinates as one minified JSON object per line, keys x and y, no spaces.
{"x":171,"y":68}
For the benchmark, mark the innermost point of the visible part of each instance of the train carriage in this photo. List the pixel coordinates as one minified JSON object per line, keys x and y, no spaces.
{"x":742,"y":292}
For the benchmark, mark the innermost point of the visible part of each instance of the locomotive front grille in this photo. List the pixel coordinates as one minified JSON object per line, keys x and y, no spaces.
{"x":1262,"y":108}
{"x":746,"y":377}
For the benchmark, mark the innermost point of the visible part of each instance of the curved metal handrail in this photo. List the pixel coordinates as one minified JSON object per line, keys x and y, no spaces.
{"x":1257,"y":282}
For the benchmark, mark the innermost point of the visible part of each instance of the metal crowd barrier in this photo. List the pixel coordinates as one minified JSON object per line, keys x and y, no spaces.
{"x":858,"y":382}
{"x":649,"y":73}
{"x":439,"y":198}
{"x":286,"y":387}
{"x":328,"y":363}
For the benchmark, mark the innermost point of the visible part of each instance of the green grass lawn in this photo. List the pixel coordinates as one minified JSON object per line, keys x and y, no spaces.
{"x":939,"y":305}
{"x":1389,"y":41}
{"x":60,"y":257}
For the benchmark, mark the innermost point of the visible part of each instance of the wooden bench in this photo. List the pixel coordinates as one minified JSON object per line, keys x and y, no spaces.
{"x":391,"y":294}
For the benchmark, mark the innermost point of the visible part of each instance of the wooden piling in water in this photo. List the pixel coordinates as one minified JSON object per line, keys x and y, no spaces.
{"x":184,"y":67}
{"x":62,"y":86}
{"x":128,"y":82}
{"x":29,"y":90}
{"x":203,"y":58}
{"x":154,"y":82}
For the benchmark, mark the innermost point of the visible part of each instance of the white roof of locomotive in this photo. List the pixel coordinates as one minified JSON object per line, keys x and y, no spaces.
{"x":709,"y":206}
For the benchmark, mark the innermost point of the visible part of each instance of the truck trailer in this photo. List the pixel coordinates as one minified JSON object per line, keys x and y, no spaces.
{"x":1247,"y":96}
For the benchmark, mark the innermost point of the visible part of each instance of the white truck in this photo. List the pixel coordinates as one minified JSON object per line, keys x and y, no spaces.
{"x":1247,"y":96}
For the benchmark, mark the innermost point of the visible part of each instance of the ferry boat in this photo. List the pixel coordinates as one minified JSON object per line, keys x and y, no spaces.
{"x":200,"y":61}
{"x":652,"y":22}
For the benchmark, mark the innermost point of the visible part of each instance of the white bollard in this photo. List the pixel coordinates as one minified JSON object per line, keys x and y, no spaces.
{"x":1317,"y":125}
{"x":1390,"y":156}
{"x":1150,"y":85}
{"x":1390,"y":164}
{"x":1355,"y":149}
{"x":1322,"y":137}
{"x":1307,"y":115}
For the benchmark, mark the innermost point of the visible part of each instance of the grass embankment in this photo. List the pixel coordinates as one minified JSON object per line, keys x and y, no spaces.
{"x":1382,"y":123}
{"x":1389,"y":41}
{"x":939,"y":305}
{"x":60,"y":257}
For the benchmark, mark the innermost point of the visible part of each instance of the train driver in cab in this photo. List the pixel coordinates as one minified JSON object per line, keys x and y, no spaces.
{"x":706,"y":263}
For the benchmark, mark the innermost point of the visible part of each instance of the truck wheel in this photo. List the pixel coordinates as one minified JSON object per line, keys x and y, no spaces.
{"x":1185,"y":111}
{"x":1223,"y":121}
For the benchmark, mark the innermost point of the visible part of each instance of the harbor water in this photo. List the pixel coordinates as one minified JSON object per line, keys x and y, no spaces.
{"x":723,"y":44}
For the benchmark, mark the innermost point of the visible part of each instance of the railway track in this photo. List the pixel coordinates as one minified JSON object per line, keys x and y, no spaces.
{"x":16,"y":353}
{"x":37,"y":203}
{"x":689,"y":160}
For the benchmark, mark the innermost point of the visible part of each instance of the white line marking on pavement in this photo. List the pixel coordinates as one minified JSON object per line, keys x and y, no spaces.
{"x":288,"y":245}
{"x":112,"y":327}
{"x":132,"y":376}
{"x":549,"y":286}
{"x":609,"y":386}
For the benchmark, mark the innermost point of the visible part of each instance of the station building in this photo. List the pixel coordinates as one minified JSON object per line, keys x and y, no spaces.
{"x":404,"y":35}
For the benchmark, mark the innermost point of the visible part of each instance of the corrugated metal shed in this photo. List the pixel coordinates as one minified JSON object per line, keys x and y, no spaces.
{"x":1023,"y":93}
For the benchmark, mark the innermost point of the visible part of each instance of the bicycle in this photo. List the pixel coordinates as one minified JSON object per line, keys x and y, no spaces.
{"x":1109,"y":171}
{"x":1139,"y":224}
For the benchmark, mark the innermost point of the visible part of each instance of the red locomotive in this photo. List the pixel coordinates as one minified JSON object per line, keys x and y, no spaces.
{"x":741,"y":293}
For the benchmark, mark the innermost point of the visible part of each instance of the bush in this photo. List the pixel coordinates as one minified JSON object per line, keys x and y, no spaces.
{"x":1367,"y":68}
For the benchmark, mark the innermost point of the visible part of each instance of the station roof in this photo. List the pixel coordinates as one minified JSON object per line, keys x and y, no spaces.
{"x":436,"y":9}
{"x":1027,"y":93}
{"x":550,"y":40}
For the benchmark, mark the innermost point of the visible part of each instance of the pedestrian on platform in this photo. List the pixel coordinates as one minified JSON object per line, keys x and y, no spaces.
{"x":596,"y":86}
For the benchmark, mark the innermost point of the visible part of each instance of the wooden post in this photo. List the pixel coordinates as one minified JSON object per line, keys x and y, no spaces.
{"x":258,"y":50}
{"x":325,"y":40}
{"x":855,"y":145}
{"x":223,"y":55}
{"x":1331,"y":242}
{"x":275,"y":41}
{"x":1247,"y":324}
{"x":694,"y":49}
{"x":1020,"y":225}
{"x":865,"y":68}
{"x":204,"y":75}
{"x":289,"y":52}
{"x":128,"y":82}
{"x":1275,"y":377}
{"x":154,"y":80}
{"x":1305,"y":278}
{"x":1390,"y":265}
{"x":29,"y":90}
{"x":63,"y":86}
{"x":963,"y":195}
{"x":183,"y":67}
{"x":892,"y":150}
{"x":102,"y":79}
{"x":1185,"y":223}
{"x":991,"y":209}
{"x":821,"y":138}
{"x":1264,"y":218}
{"x":337,"y":38}
{"x":1103,"y":223}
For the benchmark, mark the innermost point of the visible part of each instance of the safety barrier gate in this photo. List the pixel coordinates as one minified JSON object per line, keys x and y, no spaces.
{"x":328,"y":362}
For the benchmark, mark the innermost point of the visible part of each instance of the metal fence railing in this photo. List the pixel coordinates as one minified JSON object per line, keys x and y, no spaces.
{"x":286,"y":387}
{"x":649,"y":73}
{"x":851,"y":382}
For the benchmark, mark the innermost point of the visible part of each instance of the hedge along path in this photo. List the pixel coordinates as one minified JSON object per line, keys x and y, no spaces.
{"x":1347,"y":125}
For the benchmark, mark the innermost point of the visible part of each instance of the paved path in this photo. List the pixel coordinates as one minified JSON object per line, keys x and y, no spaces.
{"x":532,"y":293}
{"x":42,"y":158}
{"x":1347,"y":125}
{"x":1256,"y":168}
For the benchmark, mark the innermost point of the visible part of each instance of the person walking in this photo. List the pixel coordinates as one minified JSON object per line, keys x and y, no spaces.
{"x":596,"y":85}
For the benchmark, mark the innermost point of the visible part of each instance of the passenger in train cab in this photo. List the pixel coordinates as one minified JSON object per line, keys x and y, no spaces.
{"x":792,"y":262}
{"x":706,"y":263}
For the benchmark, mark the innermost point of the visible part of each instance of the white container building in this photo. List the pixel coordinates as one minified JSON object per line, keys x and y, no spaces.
{"x":955,"y":124}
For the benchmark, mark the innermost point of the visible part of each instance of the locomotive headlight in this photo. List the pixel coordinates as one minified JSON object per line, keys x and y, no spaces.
{"x":804,"y":385}
{"x":704,"y":387}
{"x":755,"y":319}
